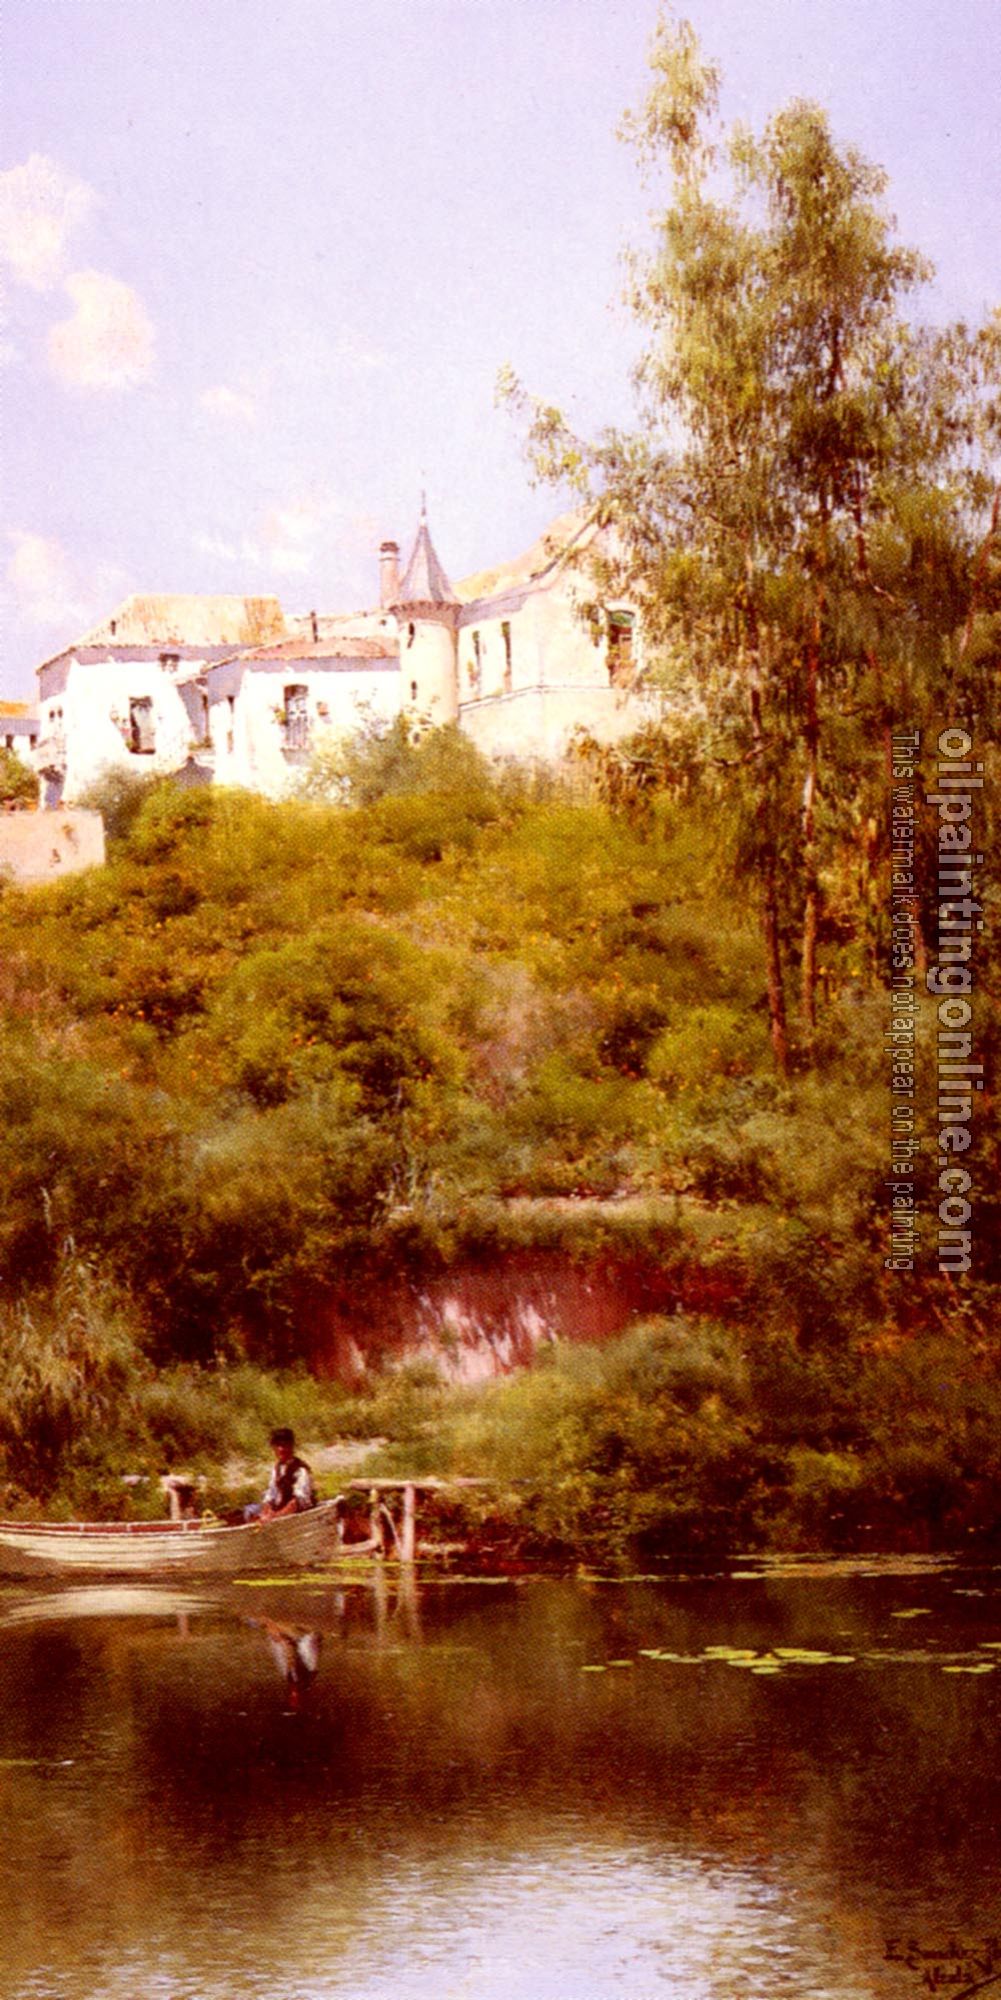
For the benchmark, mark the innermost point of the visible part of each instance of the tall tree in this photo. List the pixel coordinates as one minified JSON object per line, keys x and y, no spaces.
{"x":766,"y":488}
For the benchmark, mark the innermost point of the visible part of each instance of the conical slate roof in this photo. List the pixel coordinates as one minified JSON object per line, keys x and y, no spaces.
{"x":424,"y":581}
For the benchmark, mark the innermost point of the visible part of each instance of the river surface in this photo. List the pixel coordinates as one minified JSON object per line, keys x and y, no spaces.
{"x":766,"y":1781}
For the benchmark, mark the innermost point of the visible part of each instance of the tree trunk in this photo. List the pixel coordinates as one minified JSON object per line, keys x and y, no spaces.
{"x":808,"y":827}
{"x":769,"y":866}
{"x":773,"y":966}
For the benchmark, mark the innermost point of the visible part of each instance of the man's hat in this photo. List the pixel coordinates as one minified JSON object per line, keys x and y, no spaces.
{"x":283,"y":1436}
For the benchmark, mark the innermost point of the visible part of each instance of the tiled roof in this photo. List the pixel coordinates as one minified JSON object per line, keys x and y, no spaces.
{"x":568,"y":532}
{"x":190,"y":621}
{"x":318,"y":650}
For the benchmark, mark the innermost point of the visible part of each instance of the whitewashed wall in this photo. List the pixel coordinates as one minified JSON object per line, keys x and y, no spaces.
{"x":247,"y":738}
{"x":84,"y":706}
{"x":42,"y":847}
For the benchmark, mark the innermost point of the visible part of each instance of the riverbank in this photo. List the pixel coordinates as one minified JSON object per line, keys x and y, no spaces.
{"x":683,"y":1436}
{"x":450,"y":1119}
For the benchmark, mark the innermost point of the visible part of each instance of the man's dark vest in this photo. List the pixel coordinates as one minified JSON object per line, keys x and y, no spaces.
{"x":285,"y":1478}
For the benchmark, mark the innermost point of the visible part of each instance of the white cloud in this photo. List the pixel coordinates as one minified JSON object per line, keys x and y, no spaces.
{"x":107,"y":343}
{"x":234,"y":406}
{"x":41,"y":577}
{"x":40,"y":208}
{"x":298,"y":537}
{"x":228,"y":552}
{"x":51,"y":588}
{"x":290,"y":535}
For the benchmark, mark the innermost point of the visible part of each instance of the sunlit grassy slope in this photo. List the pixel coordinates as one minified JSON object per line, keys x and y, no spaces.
{"x":272,"y":1048}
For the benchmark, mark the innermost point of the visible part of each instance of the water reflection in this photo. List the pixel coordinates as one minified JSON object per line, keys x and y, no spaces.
{"x":452,"y":1804}
{"x":296,"y":1654}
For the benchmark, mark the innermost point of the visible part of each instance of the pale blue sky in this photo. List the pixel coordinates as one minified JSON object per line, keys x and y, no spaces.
{"x":265,"y":258}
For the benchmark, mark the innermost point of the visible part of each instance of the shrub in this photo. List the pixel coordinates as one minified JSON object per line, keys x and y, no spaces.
{"x":18,"y":783}
{"x":119,"y":796}
{"x":67,"y":1365}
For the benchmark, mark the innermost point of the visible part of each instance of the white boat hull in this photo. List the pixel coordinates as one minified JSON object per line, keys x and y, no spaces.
{"x":174,"y":1548}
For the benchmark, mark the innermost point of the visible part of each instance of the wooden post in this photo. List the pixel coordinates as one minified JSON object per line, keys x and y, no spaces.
{"x":375,"y":1517}
{"x":408,"y":1546}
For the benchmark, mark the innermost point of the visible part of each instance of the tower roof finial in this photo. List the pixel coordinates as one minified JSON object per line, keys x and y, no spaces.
{"x":424,"y":581}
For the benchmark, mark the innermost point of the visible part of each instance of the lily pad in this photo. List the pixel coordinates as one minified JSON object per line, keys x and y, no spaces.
{"x":806,"y":1656}
{"x":679,"y":1659}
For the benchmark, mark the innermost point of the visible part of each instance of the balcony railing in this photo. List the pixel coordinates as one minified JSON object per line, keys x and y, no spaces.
{"x":50,"y":752}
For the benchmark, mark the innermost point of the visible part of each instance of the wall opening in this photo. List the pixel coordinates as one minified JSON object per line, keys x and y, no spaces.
{"x":142,"y":726}
{"x":295,"y":722}
{"x":620,"y":647}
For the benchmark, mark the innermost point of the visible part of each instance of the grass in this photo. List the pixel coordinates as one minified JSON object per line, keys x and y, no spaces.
{"x":272,"y":1055}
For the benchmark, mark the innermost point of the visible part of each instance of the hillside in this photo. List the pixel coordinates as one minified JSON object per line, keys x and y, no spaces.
{"x":276,"y":1069}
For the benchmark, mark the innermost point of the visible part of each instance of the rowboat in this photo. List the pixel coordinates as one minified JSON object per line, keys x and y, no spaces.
{"x":201,"y":1546}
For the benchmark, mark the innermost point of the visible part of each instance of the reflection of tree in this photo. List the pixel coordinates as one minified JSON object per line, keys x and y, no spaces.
{"x":853,"y":1786}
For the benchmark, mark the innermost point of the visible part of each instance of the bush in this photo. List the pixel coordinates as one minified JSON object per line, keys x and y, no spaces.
{"x":18,"y":783}
{"x":400,"y":759}
{"x":119,"y":796}
{"x":67,"y":1367}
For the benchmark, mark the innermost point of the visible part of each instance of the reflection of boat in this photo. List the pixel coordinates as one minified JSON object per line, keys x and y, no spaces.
{"x":103,"y":1600}
{"x":198,"y":1547}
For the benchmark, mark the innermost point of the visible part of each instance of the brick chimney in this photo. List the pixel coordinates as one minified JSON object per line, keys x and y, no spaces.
{"x":389,"y":574}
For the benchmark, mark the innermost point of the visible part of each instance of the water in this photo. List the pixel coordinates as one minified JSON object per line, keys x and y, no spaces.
{"x":455,"y":1792}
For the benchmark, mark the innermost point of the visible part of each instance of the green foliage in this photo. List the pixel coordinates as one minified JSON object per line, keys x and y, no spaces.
{"x":270,"y":1060}
{"x":119,"y":797}
{"x":642,"y":1445}
{"x":401,"y":759}
{"x":18,"y":784}
{"x":805,"y":512}
{"x":66,"y":1363}
{"x":685,"y":1435}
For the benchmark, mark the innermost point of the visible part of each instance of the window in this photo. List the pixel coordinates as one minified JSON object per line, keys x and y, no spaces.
{"x":413,"y":690}
{"x":230,"y":723}
{"x":295,"y":725}
{"x":476,"y":665}
{"x":506,"y":636}
{"x":142,"y":727}
{"x":620,"y":647}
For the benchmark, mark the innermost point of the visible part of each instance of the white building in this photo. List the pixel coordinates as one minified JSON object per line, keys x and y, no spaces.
{"x":235,"y":689}
{"x":19,"y":730}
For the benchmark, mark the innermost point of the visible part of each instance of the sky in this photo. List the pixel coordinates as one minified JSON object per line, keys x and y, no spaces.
{"x":262,"y":261}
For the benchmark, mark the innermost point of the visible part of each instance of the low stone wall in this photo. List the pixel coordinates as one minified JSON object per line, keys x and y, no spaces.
{"x":43,"y":846}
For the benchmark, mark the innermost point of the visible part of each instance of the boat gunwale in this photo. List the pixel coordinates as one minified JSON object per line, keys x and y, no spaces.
{"x":200,"y":1524}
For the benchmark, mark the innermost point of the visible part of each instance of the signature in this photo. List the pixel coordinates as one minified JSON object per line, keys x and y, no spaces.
{"x":955,"y":1966}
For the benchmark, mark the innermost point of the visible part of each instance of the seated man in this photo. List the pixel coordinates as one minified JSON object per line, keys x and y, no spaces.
{"x":290,"y":1489}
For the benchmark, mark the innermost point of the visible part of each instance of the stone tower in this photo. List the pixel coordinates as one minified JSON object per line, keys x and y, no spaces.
{"x":427,"y":614}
